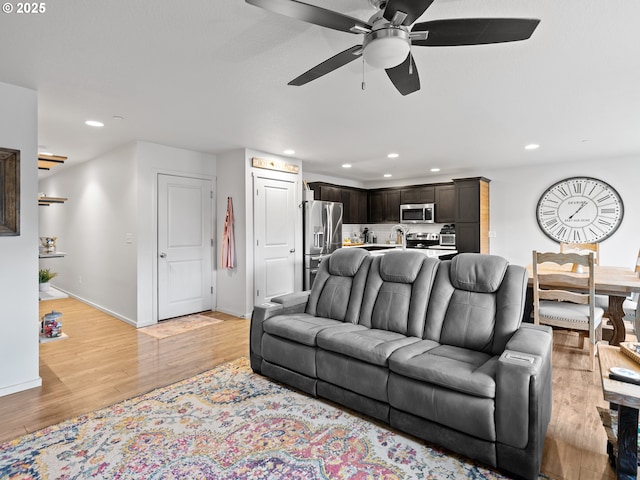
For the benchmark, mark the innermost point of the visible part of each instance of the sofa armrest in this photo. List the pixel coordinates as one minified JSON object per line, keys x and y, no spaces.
{"x":295,"y":300}
{"x":284,"y":304}
{"x":523,"y":388}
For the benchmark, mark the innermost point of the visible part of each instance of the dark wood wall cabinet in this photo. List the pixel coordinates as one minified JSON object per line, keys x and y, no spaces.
{"x":384,"y":206}
{"x":445,"y":204}
{"x":465,"y":202}
{"x":354,"y":200}
{"x":472,"y":214}
{"x":418,"y":194}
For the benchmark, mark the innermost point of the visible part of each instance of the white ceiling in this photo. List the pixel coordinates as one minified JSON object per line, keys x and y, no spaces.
{"x":212,"y":76}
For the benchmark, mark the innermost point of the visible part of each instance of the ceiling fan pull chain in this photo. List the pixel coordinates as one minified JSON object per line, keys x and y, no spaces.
{"x":363,"y":85}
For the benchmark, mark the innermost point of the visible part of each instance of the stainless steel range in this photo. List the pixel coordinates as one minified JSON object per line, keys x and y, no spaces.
{"x":422,"y":240}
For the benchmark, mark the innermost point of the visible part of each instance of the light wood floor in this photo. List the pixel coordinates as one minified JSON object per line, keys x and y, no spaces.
{"x":105,"y":361}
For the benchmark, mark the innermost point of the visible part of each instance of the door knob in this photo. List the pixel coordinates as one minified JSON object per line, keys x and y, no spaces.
{"x":293,"y":250}
{"x":163,"y":255}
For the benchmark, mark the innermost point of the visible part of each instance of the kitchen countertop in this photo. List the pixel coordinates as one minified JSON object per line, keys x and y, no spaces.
{"x":428,"y":252}
{"x":388,"y":245}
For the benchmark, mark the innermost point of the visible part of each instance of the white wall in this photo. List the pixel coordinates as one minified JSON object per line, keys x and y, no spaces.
{"x":347,"y":182}
{"x":235,"y":180}
{"x":514,"y":195}
{"x":91,"y":226}
{"x":153,"y":159}
{"x":234,"y":285}
{"x":19,"y":254}
{"x":110,"y":198}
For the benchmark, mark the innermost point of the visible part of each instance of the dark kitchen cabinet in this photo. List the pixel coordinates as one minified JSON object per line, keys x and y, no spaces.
{"x":326,"y":192}
{"x":384,"y":206}
{"x":330,"y":193}
{"x":354,"y":200}
{"x":376,"y":207}
{"x":445,"y":196}
{"x":420,"y":194}
{"x":472,"y":214}
{"x":392,"y":206}
{"x":355,"y":205}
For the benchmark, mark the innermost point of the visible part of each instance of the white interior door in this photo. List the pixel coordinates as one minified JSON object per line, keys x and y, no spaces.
{"x":185,"y":245}
{"x":275,"y":235}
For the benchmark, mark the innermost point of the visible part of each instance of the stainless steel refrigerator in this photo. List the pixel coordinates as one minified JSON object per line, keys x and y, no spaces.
{"x":322,"y":235}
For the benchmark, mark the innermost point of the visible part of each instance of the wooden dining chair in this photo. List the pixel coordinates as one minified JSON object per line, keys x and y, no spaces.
{"x":571,"y":307}
{"x":630,"y":305}
{"x":582,"y":248}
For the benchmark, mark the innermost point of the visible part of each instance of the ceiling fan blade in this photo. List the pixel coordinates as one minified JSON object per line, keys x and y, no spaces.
{"x":328,"y":66}
{"x":474,"y":31}
{"x":405,"y":76}
{"x":413,"y":8}
{"x":312,"y":14}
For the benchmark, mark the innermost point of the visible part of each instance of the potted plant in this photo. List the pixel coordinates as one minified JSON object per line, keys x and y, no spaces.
{"x":44,"y":277}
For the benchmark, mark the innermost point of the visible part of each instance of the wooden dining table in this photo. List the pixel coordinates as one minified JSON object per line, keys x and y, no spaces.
{"x":615,"y":282}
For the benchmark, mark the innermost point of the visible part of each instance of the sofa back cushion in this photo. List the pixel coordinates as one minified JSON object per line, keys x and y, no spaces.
{"x":477,"y":302}
{"x":337,"y":291}
{"x":397,"y":292}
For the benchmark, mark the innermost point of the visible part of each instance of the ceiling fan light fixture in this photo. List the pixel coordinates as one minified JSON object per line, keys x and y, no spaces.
{"x":386,"y":47}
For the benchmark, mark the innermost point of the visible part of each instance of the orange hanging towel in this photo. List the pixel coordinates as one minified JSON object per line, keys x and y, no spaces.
{"x":228,"y":250}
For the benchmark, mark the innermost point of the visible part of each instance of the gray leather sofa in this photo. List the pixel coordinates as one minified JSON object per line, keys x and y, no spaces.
{"x":433,"y":348}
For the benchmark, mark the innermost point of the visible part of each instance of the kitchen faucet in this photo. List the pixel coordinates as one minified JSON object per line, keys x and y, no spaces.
{"x":401,"y":230}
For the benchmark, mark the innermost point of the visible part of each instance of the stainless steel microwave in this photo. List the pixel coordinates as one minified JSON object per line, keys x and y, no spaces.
{"x":417,"y":213}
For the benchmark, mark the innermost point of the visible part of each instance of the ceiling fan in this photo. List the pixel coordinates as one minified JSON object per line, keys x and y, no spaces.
{"x":389,"y":35}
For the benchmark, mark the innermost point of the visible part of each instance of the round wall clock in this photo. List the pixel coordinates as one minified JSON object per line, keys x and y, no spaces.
{"x":580,"y":210}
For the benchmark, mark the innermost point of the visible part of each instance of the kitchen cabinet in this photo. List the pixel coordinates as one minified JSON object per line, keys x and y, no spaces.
{"x":445,"y":199}
{"x":472,"y":214}
{"x":464,"y":202}
{"x":354,"y":200}
{"x":355,"y":205}
{"x":376,"y":207}
{"x":419,"y":194}
{"x":384,"y":206}
{"x":328,"y":193}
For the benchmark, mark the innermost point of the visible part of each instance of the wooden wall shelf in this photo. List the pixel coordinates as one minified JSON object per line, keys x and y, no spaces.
{"x":46,"y":201}
{"x":45,"y":162}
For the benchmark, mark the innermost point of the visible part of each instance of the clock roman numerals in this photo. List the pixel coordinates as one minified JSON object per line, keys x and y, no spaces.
{"x":579,"y":209}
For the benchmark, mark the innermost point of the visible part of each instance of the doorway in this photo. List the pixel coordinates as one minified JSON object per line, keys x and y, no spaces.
{"x":185,"y":245}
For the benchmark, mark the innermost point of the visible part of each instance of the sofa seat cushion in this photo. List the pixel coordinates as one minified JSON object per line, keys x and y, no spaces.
{"x":456,"y":368}
{"x":300,"y":327}
{"x":461,"y":412}
{"x":353,"y":375}
{"x":367,"y":344}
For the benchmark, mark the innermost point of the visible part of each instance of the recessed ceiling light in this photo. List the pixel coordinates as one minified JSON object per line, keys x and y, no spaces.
{"x":46,"y":153}
{"x":289,"y":152}
{"x":393,"y":155}
{"x":435,"y":169}
{"x":387,"y":175}
{"x":532,"y":146}
{"x":94,"y":123}
{"x":346,"y":165}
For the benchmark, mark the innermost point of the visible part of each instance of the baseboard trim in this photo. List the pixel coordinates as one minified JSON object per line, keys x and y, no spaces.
{"x":20,"y":387}
{"x":235,"y":314}
{"x":130,"y":321}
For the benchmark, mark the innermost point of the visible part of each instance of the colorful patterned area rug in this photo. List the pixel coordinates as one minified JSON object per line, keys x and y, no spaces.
{"x":227,"y":423}
{"x":175,"y":326}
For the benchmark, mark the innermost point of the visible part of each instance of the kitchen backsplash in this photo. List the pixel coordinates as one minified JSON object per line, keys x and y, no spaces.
{"x":383,"y":230}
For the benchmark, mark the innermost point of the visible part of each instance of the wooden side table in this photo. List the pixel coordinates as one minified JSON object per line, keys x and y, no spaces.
{"x":627,"y":398}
